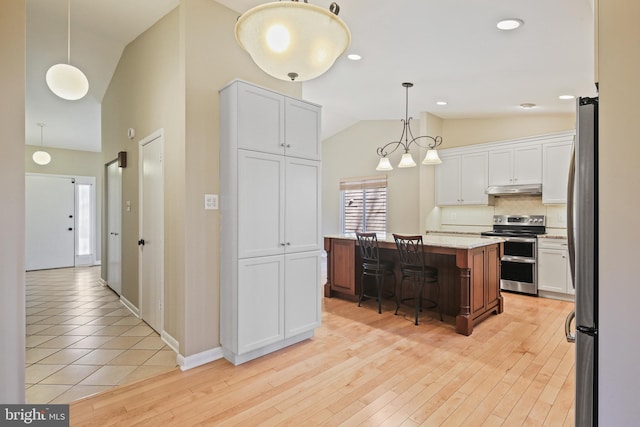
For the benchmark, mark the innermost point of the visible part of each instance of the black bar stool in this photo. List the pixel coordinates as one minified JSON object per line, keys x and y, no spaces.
{"x":412,"y":266}
{"x":372,"y":266}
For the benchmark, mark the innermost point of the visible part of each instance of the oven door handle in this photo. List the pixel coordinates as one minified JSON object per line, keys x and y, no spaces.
{"x":521,"y":239}
{"x":520,"y":259}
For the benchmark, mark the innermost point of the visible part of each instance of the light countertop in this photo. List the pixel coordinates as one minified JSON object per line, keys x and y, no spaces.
{"x":444,"y":241}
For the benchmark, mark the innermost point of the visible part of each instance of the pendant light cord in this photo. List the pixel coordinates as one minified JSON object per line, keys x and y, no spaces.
{"x":69,"y":32}
{"x":41,"y":134}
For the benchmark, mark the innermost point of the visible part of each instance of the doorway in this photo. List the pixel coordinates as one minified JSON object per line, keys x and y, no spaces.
{"x":151,"y":226}
{"x":60,"y":221}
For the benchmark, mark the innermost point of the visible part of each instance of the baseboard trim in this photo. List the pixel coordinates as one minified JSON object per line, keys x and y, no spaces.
{"x":103,"y":282}
{"x":170,"y":341}
{"x":199,"y":359}
{"x":132,"y":308}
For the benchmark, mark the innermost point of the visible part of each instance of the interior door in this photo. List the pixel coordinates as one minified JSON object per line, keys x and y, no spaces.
{"x":151,"y":242}
{"x":114,"y":227}
{"x":50,"y":238}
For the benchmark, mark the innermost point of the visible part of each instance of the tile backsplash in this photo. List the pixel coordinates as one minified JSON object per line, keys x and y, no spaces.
{"x":479,"y":218}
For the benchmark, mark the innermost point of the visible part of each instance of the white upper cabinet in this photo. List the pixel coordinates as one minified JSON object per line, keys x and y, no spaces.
{"x":555,"y":172}
{"x":513,"y":166}
{"x":273,"y":123}
{"x":462,"y":180}
{"x":260,"y":116}
{"x":302,"y":129}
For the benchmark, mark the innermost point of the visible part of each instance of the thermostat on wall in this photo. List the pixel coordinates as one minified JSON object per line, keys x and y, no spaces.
{"x":131,"y":133}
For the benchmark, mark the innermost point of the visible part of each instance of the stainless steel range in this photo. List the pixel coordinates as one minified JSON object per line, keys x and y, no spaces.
{"x":518,"y":271}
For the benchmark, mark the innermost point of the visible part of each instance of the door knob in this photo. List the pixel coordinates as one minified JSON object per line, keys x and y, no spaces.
{"x":141,"y":242}
{"x":70,"y":229}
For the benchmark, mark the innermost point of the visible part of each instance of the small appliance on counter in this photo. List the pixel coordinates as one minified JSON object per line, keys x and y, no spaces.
{"x":518,"y":265}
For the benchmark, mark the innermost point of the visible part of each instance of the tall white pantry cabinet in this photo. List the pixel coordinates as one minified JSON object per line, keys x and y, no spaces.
{"x":270,"y":233}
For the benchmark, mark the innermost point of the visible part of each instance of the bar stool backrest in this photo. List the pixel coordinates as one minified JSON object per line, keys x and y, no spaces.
{"x":369,"y":251}
{"x":410,"y":251}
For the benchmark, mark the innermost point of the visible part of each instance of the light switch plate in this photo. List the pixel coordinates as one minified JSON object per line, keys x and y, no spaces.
{"x":211,"y":201}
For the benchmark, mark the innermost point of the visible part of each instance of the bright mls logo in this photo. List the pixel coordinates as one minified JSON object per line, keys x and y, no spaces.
{"x":34,"y":415}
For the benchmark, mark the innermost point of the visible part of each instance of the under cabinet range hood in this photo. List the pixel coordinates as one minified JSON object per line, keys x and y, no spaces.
{"x":514,"y":190}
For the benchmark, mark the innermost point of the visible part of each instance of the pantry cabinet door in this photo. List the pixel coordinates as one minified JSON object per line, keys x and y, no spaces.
{"x":260,"y":116}
{"x":260,"y":204}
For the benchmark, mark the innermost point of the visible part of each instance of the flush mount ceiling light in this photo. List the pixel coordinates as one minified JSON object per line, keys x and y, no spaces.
{"x":291,"y":40}
{"x":407,"y":161}
{"x":441,"y":102}
{"x":566,"y":97}
{"x":354,"y":57}
{"x":65,"y":80}
{"x":41,"y":157}
{"x":510,"y":24}
{"x":527,"y":106}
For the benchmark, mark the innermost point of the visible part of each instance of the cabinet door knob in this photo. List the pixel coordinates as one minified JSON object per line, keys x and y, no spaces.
{"x":288,"y":145}
{"x":281,"y":244}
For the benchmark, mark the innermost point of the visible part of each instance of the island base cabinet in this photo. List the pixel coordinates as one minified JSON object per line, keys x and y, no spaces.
{"x":280,"y":304}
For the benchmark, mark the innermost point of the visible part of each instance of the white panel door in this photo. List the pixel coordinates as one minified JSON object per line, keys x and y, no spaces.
{"x":151,"y":244}
{"x":260,"y":119}
{"x":50,"y":236}
{"x":302,"y":292}
{"x":260,"y":302}
{"x":302,"y":205}
{"x":260,"y":204}
{"x":114,"y":227}
{"x":302,"y":129}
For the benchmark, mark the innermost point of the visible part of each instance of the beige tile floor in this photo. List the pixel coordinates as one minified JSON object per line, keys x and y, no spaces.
{"x":81,"y":340}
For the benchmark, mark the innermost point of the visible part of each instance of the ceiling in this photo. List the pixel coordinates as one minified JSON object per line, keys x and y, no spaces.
{"x":450,"y":49}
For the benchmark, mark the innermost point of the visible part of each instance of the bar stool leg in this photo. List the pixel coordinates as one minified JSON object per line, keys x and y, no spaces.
{"x":379,"y":282}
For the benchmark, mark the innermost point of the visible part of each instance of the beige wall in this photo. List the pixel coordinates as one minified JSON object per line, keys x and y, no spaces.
{"x":73,"y":163}
{"x":144,"y":94}
{"x":619,"y":68}
{"x":352,"y":153}
{"x":411,"y":201}
{"x":169,"y":78}
{"x":460,"y":132}
{"x":12,"y":213}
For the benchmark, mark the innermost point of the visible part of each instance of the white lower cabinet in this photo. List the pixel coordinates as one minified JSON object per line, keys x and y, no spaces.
{"x":554,"y":276}
{"x":280,"y":299}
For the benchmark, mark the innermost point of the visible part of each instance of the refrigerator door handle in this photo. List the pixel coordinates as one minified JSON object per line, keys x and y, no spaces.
{"x":567,"y":327}
{"x":570,"y":234}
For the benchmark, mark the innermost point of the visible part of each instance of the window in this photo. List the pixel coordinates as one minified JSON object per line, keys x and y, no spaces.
{"x":364,"y":204}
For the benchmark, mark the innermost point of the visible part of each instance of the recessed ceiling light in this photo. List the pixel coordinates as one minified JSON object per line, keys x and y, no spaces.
{"x":566,"y":97}
{"x":354,"y":57}
{"x":527,"y":105}
{"x":441,"y":102}
{"x":510,"y":24}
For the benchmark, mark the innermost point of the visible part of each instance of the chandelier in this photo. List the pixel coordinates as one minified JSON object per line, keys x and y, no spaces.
{"x":405,"y":141}
{"x":291,"y":40}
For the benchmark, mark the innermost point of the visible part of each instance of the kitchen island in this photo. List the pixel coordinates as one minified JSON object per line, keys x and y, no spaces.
{"x":468,"y":272}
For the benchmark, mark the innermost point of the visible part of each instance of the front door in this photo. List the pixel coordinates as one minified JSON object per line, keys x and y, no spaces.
{"x":50,"y":208}
{"x":151,"y":230}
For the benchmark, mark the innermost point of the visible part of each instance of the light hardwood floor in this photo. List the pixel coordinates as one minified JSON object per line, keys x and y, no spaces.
{"x":370,"y":369}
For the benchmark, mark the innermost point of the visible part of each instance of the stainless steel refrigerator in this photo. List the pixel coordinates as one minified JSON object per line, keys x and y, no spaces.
{"x":582,"y":230}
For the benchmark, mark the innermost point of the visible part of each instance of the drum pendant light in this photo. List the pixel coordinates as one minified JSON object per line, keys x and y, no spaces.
{"x":65,"y":80}
{"x":292,"y":40}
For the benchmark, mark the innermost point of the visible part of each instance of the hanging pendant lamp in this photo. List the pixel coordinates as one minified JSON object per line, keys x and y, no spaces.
{"x":41,"y":157}
{"x":404,"y":142}
{"x":292,"y":40}
{"x":65,"y":80}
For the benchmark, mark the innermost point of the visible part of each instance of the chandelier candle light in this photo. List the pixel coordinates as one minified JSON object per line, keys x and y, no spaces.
{"x":291,"y":40}
{"x":407,"y":161}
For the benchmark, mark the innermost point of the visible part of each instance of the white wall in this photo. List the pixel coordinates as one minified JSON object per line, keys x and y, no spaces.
{"x":619,"y":175}
{"x":12,"y":213}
